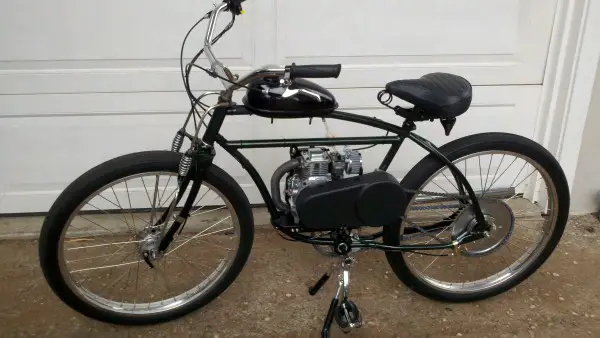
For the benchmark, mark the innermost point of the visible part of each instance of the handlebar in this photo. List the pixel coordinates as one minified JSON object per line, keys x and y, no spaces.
{"x":314,"y":71}
{"x":293,"y":71}
{"x":216,"y":65}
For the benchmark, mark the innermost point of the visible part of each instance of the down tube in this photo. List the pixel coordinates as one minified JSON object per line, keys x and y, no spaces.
{"x":245,"y":163}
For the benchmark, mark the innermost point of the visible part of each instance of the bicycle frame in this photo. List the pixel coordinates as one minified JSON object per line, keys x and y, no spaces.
{"x":212,"y":136}
{"x":225,"y":108}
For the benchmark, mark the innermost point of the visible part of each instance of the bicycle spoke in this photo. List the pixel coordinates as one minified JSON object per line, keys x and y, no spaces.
{"x":107,"y":213}
{"x":146,"y":189}
{"x":169,"y":197}
{"x":487,"y":175}
{"x":97,"y":245}
{"x":495,"y":173}
{"x":475,"y":267}
{"x":215,"y":245}
{"x":163,"y":192}
{"x":95,"y":257}
{"x":447,"y":179}
{"x":499,"y":177}
{"x":154,"y":198}
{"x":433,"y":261}
{"x":137,"y":278}
{"x":105,"y":267}
{"x":119,"y":204}
{"x":177,"y":255}
{"x":100,"y":226}
{"x":523,"y":180}
{"x":130,"y":207}
{"x":200,"y":233}
{"x":206,"y":212}
{"x":440,"y":187}
{"x":480,"y":175}
{"x":519,"y":173}
{"x":104,"y":257}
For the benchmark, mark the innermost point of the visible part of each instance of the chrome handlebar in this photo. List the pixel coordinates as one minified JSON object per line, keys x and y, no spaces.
{"x":216,"y":65}
{"x":221,"y":70}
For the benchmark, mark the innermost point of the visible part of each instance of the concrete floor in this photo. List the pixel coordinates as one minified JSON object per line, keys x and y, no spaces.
{"x":270,"y":299}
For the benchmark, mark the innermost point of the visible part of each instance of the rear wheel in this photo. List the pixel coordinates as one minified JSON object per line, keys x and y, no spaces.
{"x":94,"y":241}
{"x":524,"y":196}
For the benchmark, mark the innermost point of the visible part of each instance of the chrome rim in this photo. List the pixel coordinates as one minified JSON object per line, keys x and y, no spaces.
{"x":515,"y":181}
{"x":101,"y":246}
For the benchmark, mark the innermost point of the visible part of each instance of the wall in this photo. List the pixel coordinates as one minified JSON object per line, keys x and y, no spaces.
{"x":587,"y":176}
{"x":85,"y":81}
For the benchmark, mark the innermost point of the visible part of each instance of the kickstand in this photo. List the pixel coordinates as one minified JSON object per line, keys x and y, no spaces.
{"x":342,"y":290}
{"x":330,"y":312}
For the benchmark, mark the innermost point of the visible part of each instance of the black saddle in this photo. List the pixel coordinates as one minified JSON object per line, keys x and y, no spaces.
{"x":437,"y":95}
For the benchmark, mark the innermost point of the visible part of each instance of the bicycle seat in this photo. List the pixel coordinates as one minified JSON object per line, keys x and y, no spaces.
{"x":439,"y":95}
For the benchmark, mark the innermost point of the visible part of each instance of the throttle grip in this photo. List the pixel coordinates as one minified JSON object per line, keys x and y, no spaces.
{"x":314,"y":71}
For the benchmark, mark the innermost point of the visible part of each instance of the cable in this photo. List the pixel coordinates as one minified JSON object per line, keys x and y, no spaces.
{"x":213,"y":74}
{"x":195,"y":58}
{"x":186,"y":74}
{"x":206,"y":16}
{"x":371,"y":146}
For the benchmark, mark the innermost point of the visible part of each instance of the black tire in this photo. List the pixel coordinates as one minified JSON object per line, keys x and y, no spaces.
{"x":111,"y":171}
{"x":455,"y":150}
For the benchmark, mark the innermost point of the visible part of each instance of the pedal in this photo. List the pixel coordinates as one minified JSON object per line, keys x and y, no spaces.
{"x":315,"y":288}
{"x":347,"y":316}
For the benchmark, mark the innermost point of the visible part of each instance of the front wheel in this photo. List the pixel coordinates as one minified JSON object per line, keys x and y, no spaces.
{"x":95,"y":241}
{"x":524,"y":196}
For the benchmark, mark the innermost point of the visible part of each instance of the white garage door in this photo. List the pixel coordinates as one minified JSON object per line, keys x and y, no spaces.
{"x":84,"y":81}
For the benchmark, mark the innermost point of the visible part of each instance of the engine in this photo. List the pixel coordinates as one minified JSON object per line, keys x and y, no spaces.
{"x":319,"y":165}
{"x":327,"y":190}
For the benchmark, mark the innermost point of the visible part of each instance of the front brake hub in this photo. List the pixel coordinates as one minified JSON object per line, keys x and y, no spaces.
{"x":149,"y":240}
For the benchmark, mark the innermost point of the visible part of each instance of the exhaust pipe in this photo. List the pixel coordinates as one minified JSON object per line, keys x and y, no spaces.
{"x":276,"y":180}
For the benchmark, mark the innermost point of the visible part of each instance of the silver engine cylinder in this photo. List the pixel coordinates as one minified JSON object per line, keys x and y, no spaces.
{"x":318,"y":165}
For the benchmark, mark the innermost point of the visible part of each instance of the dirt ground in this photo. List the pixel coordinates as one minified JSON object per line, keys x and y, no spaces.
{"x":270,"y":298}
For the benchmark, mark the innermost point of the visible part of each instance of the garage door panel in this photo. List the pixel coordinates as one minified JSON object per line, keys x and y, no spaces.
{"x":94,"y":103}
{"x":111,"y":30}
{"x":85,"y":81}
{"x":502,"y":42}
{"x":48,"y":153}
{"x":395,"y":28}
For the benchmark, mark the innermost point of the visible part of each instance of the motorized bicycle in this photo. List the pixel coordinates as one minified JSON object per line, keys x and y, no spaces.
{"x":471,"y":220}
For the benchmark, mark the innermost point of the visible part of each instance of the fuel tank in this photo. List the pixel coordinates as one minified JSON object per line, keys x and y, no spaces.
{"x":303,"y":98}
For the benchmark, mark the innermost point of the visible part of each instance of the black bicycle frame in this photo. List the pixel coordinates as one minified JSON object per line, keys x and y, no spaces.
{"x":399,"y":134}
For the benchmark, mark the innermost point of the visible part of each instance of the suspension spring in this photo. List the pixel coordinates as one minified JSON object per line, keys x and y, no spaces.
{"x":177,"y":141}
{"x":185,"y":163}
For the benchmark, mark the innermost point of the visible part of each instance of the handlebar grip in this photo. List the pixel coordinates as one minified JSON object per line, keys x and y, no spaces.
{"x":315,"y":71}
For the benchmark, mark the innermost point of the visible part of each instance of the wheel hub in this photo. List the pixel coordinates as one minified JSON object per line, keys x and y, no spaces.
{"x":148,"y":246}
{"x":500,"y":219}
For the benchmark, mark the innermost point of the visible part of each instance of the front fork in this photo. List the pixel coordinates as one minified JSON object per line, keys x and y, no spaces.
{"x":202,"y":154}
{"x":201,"y":158}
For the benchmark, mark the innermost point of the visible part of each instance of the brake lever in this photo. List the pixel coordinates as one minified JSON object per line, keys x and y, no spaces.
{"x":235,"y":6}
